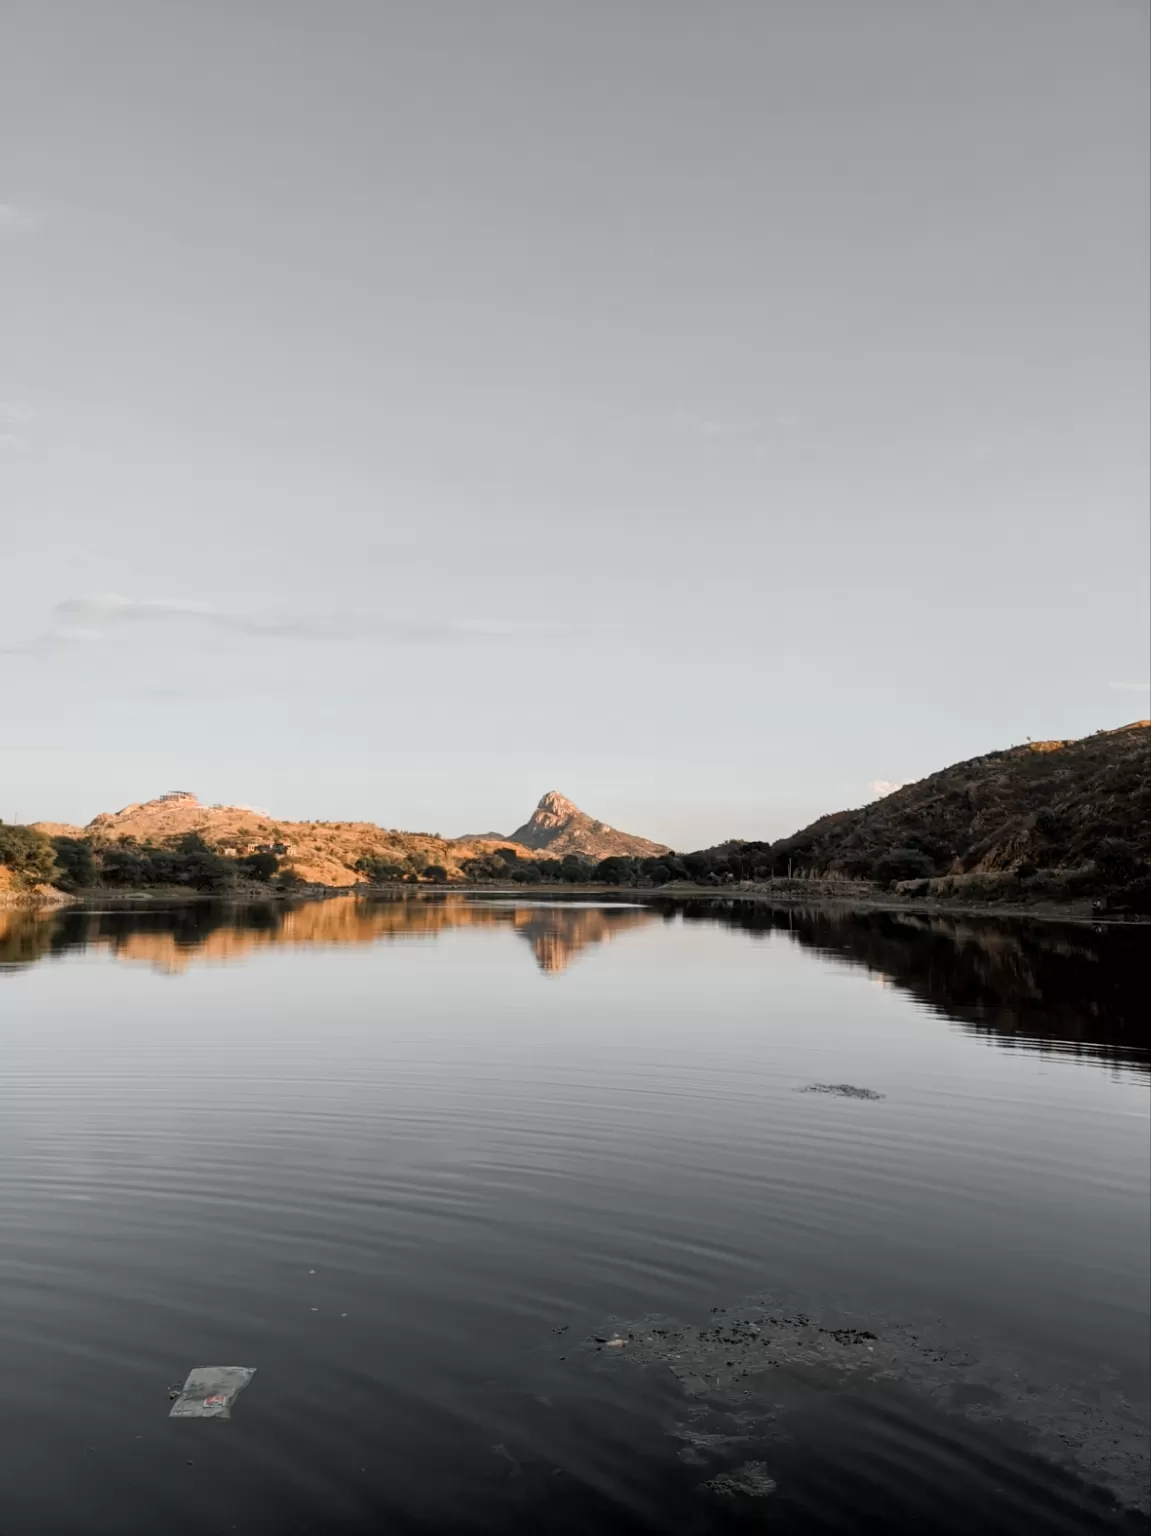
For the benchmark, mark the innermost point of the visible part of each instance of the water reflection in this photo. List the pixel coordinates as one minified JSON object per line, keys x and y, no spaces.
{"x":1067,"y":985}
{"x":1070,"y":985}
{"x":173,"y":938}
{"x":407,"y":1183}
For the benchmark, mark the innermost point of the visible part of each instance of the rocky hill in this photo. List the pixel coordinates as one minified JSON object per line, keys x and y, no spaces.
{"x":332,"y":853}
{"x":557,"y":828}
{"x":1043,"y":806}
{"x":347,"y":853}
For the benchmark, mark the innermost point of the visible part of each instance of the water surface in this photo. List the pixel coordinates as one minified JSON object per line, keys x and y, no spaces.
{"x":386,"y":1151}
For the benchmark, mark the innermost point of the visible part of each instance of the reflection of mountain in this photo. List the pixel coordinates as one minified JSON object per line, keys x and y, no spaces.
{"x":172,"y":938}
{"x":557,"y":934}
{"x":1077,"y":987}
{"x":1068,"y":984}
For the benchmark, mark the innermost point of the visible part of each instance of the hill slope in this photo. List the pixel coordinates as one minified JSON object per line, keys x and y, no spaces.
{"x":345,"y":853}
{"x":318,"y":852}
{"x":1046,"y":805}
{"x":557,"y":827}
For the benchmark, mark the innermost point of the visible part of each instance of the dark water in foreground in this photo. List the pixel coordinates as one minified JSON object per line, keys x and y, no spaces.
{"x":385,"y":1151}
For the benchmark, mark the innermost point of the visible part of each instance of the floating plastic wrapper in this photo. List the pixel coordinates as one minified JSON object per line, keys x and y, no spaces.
{"x":210,"y":1391}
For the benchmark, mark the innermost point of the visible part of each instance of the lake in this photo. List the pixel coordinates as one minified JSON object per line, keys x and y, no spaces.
{"x":409,"y":1157}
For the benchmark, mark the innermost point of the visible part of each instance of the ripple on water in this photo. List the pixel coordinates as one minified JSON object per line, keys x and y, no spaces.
{"x":384,"y":1174}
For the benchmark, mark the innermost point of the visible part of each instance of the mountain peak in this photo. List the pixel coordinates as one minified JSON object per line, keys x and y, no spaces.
{"x":555,"y":804}
{"x":559,"y":827}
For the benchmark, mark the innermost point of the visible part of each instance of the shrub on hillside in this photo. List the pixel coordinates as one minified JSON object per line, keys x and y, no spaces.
{"x":192,"y":863}
{"x":1116,"y":860}
{"x":902,"y":864}
{"x":1135,"y":897}
{"x":575,"y":869}
{"x":381,"y":871}
{"x":258,"y":866}
{"x":27,"y":853}
{"x":76,"y":863}
{"x":616,"y":870}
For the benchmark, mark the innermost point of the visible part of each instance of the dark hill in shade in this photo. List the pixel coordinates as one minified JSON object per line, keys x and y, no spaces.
{"x":1046,"y":805}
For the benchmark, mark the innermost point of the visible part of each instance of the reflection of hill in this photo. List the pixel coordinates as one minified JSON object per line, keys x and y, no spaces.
{"x":557,"y":934}
{"x":1068,"y":984}
{"x":1075,"y":986}
{"x":172,"y":938}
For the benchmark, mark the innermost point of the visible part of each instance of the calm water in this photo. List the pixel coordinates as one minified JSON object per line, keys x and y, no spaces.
{"x":382,"y":1151}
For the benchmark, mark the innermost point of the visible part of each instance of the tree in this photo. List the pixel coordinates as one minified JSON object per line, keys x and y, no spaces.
{"x":381,"y":871}
{"x":192,"y":842}
{"x":575,"y":869}
{"x":258,"y":866}
{"x":435,"y":872}
{"x":616,"y":870}
{"x":901,"y":864}
{"x":1115,"y":859}
{"x":190,"y":863}
{"x":76,"y":862}
{"x":28,"y":853}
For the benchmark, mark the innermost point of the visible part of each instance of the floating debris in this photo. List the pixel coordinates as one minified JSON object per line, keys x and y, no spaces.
{"x":842,"y":1090}
{"x":210,"y":1391}
{"x":751,"y":1480}
{"x":743,"y":1373}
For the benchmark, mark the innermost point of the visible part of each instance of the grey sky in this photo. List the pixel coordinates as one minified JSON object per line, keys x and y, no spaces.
{"x":706,"y":410}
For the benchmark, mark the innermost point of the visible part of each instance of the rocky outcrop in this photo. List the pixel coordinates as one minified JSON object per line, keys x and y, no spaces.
{"x":557,"y":827}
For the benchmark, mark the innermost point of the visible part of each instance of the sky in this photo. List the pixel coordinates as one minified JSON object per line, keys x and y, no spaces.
{"x":716,"y":413}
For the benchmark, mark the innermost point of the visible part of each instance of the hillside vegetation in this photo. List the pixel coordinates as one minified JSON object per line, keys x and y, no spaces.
{"x":1048,"y":821}
{"x":1047,"y":805}
{"x":176,"y":842}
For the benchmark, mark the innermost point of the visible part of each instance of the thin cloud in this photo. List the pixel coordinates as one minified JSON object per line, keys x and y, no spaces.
{"x":13,"y":414}
{"x":15,"y":220}
{"x":879,"y":788}
{"x":714,"y":430}
{"x":1132,"y":687}
{"x":91,"y":620}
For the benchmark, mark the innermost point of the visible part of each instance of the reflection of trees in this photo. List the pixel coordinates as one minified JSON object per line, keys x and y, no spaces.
{"x":25,"y":936}
{"x":1067,"y":983}
{"x":172,"y":938}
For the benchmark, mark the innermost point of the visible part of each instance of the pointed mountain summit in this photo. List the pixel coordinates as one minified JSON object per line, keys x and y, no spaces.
{"x":557,"y":827}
